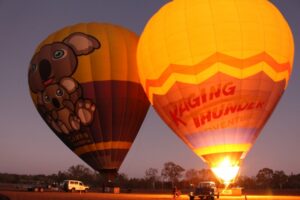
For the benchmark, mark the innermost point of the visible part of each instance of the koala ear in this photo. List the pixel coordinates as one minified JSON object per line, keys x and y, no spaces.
{"x":69,"y":84}
{"x":81,"y":43}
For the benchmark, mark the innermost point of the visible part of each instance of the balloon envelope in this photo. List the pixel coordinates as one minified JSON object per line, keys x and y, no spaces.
{"x":214,"y":71}
{"x":83,"y":80}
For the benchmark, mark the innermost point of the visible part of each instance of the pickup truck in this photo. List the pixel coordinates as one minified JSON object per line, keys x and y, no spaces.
{"x":204,"y":190}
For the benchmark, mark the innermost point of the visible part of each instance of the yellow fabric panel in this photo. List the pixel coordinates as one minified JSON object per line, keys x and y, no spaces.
{"x":102,"y":146}
{"x":114,"y":60}
{"x":185,"y":32}
{"x":226,"y":148}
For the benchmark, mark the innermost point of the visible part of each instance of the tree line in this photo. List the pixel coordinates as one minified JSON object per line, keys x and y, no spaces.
{"x":171,"y":174}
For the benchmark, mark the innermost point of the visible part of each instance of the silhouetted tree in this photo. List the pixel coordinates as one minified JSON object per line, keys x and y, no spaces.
{"x":293,"y":181}
{"x":264,"y":178}
{"x":246,"y":182}
{"x":80,"y":172}
{"x":137,"y":183}
{"x":279,"y":179}
{"x":192,"y":176}
{"x":172,"y":172}
{"x":61,"y":176}
{"x":151,"y":176}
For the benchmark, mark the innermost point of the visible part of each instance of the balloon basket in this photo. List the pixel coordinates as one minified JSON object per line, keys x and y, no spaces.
{"x":238,"y":191}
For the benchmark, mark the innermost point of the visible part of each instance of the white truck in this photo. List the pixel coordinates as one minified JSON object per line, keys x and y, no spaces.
{"x":74,"y":185}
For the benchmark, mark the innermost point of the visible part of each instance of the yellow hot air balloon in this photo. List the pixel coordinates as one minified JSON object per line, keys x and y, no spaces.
{"x":84,"y":82}
{"x":214,"y":70}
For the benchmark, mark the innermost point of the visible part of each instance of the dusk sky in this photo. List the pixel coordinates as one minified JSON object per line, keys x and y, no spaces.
{"x":28,"y":146}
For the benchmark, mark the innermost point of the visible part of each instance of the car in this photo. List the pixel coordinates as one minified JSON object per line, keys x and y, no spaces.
{"x":74,"y":185}
{"x":204,"y":190}
{"x":35,"y":188}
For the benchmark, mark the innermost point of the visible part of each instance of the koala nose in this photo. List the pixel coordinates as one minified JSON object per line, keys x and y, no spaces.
{"x":45,"y":69}
{"x":55,"y":103}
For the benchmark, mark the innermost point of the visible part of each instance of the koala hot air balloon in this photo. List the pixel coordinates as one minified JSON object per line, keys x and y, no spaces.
{"x":84,"y":83}
{"x":214,"y":70}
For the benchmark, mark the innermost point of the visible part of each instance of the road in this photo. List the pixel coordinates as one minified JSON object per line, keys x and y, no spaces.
{"x":96,"y":196}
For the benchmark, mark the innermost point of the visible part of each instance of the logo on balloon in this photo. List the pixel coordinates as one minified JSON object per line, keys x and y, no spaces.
{"x":59,"y":96}
{"x":197,"y":100}
{"x":216,"y":102}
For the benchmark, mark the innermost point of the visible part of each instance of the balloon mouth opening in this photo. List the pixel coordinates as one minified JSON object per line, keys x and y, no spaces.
{"x":109,"y":174}
{"x":226,"y":171}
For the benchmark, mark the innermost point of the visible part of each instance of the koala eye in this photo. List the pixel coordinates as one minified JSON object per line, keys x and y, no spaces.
{"x":46,"y":98}
{"x":33,"y":67}
{"x":59,"y":92}
{"x":58,"y":54}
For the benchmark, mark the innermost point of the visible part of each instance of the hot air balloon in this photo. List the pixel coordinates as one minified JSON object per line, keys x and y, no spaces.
{"x":214,"y":71}
{"x":84,"y":83}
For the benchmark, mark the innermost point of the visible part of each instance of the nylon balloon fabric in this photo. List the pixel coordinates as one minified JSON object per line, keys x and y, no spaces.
{"x":214,"y":70}
{"x":83,"y":81}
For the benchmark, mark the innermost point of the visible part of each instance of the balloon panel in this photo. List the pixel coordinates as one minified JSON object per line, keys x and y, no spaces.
{"x":121,"y":108}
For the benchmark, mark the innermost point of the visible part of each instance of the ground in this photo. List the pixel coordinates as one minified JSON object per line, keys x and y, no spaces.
{"x":12,"y":195}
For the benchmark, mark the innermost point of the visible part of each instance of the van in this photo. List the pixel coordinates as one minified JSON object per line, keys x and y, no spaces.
{"x":74,"y":185}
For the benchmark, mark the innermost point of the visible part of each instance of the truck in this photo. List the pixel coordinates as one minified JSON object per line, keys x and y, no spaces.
{"x":74,"y":185}
{"x":204,"y":190}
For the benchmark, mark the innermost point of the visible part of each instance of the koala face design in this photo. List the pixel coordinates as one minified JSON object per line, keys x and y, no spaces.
{"x":54,"y":96}
{"x":58,"y":60}
{"x":52,"y":63}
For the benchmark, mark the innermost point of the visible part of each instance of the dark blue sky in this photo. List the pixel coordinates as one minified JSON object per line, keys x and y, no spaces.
{"x":28,"y":146}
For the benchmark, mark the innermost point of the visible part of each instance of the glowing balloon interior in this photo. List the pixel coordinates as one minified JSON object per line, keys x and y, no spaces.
{"x":84,"y":83}
{"x":214,"y":70}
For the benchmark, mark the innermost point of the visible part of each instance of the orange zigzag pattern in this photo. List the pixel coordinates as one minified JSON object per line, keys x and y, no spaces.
{"x":218,"y":58}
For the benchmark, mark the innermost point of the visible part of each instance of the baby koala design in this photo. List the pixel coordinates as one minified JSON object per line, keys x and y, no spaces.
{"x":61,"y":114}
{"x":59,"y":96}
